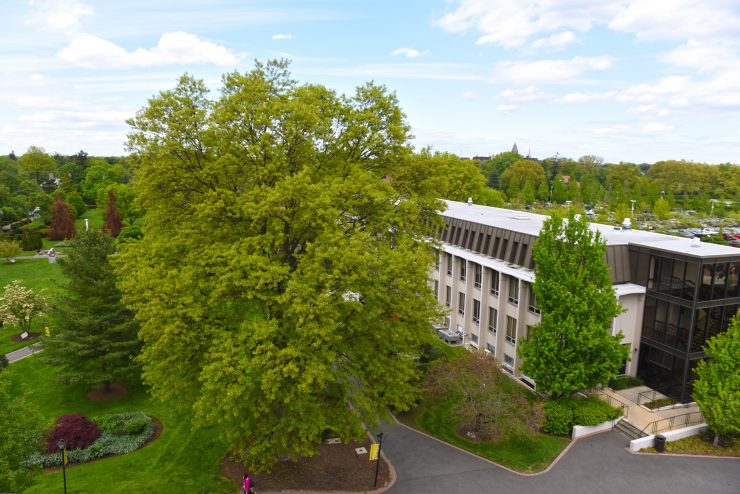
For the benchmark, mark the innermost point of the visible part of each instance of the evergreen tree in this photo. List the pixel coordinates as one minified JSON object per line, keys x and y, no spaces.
{"x":717,"y":387}
{"x":94,"y":336}
{"x":571,"y":348}
{"x":62,"y":226}
{"x":112,"y":218}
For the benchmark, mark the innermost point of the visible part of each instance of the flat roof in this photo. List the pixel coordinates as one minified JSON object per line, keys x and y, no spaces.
{"x":531,"y":224}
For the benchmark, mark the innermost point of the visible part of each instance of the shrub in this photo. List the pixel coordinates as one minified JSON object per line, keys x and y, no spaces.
{"x":725,"y":441}
{"x":3,"y":361}
{"x":624,"y":382}
{"x":109,"y":443}
{"x":78,"y":430}
{"x":562,"y":414}
{"x":31,"y":241}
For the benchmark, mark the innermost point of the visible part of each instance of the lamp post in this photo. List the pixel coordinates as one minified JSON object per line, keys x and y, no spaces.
{"x":377,"y":465}
{"x":711,"y":208}
{"x":63,"y":447}
{"x":632,"y":204}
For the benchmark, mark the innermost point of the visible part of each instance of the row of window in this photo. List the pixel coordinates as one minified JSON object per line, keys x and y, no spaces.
{"x":495,"y":280}
{"x":499,"y":248}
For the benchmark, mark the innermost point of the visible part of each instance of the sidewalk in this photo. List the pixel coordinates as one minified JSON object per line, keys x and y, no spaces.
{"x":24,"y":352}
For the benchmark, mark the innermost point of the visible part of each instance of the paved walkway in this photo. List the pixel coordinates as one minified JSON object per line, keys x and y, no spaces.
{"x":596,"y":464}
{"x":24,"y":352}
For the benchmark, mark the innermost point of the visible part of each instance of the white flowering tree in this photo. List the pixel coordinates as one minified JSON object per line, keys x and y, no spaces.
{"x":20,"y":305}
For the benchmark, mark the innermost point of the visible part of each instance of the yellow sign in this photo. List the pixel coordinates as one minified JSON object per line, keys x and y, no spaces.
{"x":65,"y":457}
{"x":374,"y":450}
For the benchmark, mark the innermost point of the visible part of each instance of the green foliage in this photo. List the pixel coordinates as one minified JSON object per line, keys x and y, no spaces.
{"x":94,"y":337}
{"x":564,"y":413}
{"x":9,"y":248}
{"x":284,"y":275}
{"x":717,"y":387}
{"x":571,"y":348}
{"x":31,"y":241}
{"x":120,"y":424}
{"x":20,"y":305}
{"x":21,"y":428}
{"x":624,"y":382}
{"x":36,"y":162}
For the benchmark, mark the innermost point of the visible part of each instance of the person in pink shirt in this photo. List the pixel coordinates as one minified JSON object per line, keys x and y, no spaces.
{"x":247,"y":484}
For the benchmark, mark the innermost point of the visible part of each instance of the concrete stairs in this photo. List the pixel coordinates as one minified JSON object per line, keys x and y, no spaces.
{"x":628,"y":430}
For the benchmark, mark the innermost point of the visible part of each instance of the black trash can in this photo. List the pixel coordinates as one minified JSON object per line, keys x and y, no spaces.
{"x":660,"y":443}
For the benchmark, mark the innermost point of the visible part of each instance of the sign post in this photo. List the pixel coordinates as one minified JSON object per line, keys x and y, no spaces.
{"x":375,"y":450}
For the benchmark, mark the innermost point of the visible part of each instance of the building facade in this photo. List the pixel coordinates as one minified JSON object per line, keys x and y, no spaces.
{"x":676,"y":292}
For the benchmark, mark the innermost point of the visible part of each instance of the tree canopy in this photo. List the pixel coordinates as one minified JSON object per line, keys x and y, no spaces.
{"x":717,"y":387}
{"x":571,"y":348}
{"x":282,"y":279}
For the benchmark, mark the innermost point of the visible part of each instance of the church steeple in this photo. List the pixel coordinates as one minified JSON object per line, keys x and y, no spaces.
{"x":515,"y":149}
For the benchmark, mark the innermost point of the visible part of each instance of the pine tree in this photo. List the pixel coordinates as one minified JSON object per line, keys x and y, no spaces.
{"x":62,"y":226}
{"x":112,"y":216}
{"x":94,"y":337}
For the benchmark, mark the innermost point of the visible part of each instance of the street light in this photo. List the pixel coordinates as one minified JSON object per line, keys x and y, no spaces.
{"x":711,"y":208}
{"x":63,"y":447}
{"x":632,"y":201}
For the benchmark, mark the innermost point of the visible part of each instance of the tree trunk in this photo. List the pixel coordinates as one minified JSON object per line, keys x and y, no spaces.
{"x":715,"y":443}
{"x":106,"y":386}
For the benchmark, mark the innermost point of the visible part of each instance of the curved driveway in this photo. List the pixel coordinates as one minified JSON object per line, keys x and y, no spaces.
{"x":596,"y":464}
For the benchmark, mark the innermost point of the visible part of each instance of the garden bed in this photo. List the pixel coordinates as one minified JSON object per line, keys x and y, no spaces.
{"x":695,"y":445}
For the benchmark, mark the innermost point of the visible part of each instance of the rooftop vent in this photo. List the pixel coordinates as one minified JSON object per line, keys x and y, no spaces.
{"x":627,"y":224}
{"x":696,"y":242}
{"x":470,"y":201}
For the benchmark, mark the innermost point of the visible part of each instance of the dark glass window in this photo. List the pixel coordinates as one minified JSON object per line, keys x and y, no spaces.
{"x":700,"y":330}
{"x":732,"y":273}
{"x":648,"y":318}
{"x":684,"y":326}
{"x":689,"y":284}
{"x":677,"y":278}
{"x":495,"y":279}
{"x":720,"y":281}
{"x":478,"y":275}
{"x":666,"y":273}
{"x":705,"y":289}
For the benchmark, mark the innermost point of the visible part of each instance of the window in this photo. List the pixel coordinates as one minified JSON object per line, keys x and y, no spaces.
{"x":511,"y":330}
{"x":436,"y":260}
{"x":463,"y":269}
{"x":474,"y":338}
{"x":533,"y":302}
{"x":476,"y":312}
{"x":492,"y":320}
{"x":478,"y":275}
{"x":491,"y":349}
{"x":448,"y":261}
{"x":509,"y":363}
{"x":494,"y":283}
{"x":436,"y":289}
{"x":448,"y":295}
{"x":461,"y":304}
{"x":514,"y":291}
{"x":527,"y":332}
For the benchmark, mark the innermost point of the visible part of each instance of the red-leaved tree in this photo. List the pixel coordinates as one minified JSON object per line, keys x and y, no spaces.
{"x":112,"y":216}
{"x":62,"y":226}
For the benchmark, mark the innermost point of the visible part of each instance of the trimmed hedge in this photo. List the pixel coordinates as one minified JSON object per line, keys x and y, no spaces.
{"x":564,"y":413}
{"x":624,"y":382}
{"x":121,"y":433}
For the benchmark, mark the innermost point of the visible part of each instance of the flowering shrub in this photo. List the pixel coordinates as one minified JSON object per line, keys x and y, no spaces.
{"x":78,"y":430}
{"x":114,"y":440}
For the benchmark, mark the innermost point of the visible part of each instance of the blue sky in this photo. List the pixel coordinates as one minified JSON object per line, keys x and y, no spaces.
{"x":627,"y":80}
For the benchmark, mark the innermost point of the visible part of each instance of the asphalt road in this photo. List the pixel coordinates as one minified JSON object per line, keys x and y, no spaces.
{"x":596,"y":464}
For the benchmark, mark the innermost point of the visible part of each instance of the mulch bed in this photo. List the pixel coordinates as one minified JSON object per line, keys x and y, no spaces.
{"x":336,"y":468}
{"x":116,"y":391}
{"x":17,"y":338}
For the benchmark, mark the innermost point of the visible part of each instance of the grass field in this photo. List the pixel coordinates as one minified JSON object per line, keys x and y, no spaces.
{"x":181,"y":460}
{"x":36,"y":274}
{"x":94,"y":217}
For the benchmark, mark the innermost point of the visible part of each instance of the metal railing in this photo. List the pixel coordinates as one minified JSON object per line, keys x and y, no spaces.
{"x":648,"y":395}
{"x":671,"y":423}
{"x":612,"y":401}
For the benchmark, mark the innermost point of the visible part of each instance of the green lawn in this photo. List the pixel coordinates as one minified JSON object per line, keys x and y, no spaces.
{"x":94,"y":217}
{"x":181,"y":460}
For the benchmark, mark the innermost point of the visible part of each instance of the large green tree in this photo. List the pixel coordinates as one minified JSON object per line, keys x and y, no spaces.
{"x":282,"y":279}
{"x":21,"y":430}
{"x":572,"y":348}
{"x":717,"y":387}
{"x":94,"y":335}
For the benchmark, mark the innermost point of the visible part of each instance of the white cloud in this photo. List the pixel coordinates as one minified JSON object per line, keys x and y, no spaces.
{"x":469,"y":95}
{"x":423,"y":71}
{"x":282,"y":36}
{"x":557,"y":41}
{"x":93,"y":52}
{"x":544,"y":71}
{"x":656,"y":127}
{"x":507,"y":108}
{"x":58,"y":15}
{"x":512,"y":24}
{"x":651,"y":109}
{"x":410,"y":52}
{"x":704,"y":56}
{"x":523,"y":95}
